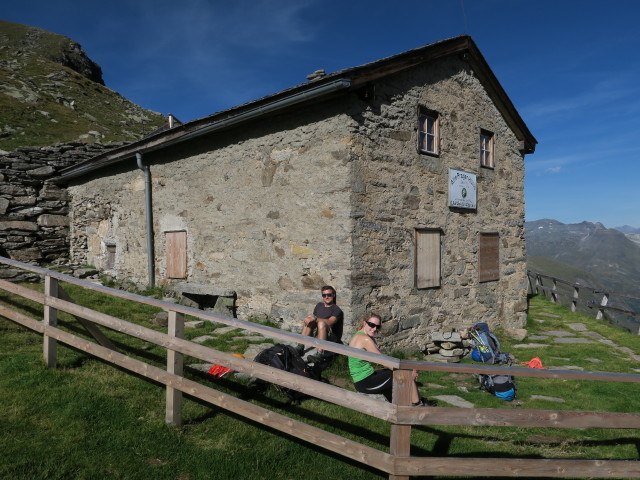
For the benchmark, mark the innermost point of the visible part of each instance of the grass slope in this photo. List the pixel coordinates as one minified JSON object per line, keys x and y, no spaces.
{"x":87,"y":420}
{"x":51,"y":92}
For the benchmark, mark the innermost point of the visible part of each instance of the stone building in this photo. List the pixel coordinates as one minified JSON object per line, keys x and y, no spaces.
{"x":399,"y":182}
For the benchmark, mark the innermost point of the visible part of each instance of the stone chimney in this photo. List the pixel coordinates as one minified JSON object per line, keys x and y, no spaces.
{"x":315,"y":75}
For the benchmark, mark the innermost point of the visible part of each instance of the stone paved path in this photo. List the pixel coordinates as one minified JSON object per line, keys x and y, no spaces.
{"x":577,"y":335}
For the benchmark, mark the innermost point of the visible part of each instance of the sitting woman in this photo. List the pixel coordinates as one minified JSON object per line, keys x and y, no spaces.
{"x":365,"y":378}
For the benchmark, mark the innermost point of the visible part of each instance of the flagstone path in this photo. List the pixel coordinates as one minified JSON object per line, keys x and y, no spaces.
{"x":577,"y":335}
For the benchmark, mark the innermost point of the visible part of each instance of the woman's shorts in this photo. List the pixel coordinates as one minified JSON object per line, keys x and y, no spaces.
{"x":378,"y":382}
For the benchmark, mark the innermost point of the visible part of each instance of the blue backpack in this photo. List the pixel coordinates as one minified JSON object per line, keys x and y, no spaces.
{"x":486,"y":346}
{"x":486,"y":349}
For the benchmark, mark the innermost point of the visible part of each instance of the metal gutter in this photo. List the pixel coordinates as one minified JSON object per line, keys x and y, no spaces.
{"x":149,"y":217}
{"x":138,"y":147}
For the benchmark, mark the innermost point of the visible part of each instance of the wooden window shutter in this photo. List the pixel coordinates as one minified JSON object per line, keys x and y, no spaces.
{"x":176,"y":245}
{"x":111,"y":257}
{"x":488,"y":257}
{"x":427,"y":258}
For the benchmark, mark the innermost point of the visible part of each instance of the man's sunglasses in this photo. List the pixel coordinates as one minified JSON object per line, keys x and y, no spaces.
{"x":373,"y":325}
{"x":327,"y":294}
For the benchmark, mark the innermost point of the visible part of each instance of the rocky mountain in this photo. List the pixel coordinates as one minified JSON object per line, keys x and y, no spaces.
{"x":586,"y":253}
{"x":51,"y":92}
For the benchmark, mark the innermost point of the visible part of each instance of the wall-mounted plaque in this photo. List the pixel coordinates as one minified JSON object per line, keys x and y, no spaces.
{"x":462,"y":189}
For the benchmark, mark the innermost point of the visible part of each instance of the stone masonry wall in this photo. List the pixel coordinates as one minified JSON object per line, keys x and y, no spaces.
{"x":265,"y":208}
{"x":34,"y":226}
{"x":401,"y":190}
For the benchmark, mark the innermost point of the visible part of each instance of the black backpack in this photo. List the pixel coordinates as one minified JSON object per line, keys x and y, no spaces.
{"x":287,"y":358}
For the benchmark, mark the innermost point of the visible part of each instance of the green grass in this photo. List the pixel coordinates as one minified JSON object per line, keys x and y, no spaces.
{"x":88,"y":420}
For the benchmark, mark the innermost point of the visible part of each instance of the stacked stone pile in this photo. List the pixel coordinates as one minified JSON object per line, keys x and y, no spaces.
{"x":34,"y":226}
{"x":447,"y":346}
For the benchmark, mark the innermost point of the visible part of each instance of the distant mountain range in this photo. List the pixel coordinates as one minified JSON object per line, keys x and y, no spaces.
{"x":628,"y":229}
{"x":51,"y":92}
{"x":632,"y":234}
{"x":589,"y":254}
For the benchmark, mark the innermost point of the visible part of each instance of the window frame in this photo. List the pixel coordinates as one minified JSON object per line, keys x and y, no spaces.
{"x":487,"y":149}
{"x":423,"y":134}
{"x":427,"y":266}
{"x":488,"y":257}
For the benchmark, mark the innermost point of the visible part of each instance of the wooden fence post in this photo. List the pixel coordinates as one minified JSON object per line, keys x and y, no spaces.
{"x":50,"y":345}
{"x":603,"y":303}
{"x":173,"y":414}
{"x":400,"y":439}
{"x":574,"y":300}
{"x":554,"y":295}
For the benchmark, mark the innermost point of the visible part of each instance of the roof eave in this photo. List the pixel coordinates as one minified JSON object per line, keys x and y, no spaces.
{"x":341,"y":80}
{"x":204,"y":126}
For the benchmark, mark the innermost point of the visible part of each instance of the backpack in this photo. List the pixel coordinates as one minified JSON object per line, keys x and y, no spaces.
{"x":486,"y":346}
{"x":486,"y":349}
{"x":287,"y":358}
{"x":502,"y":386}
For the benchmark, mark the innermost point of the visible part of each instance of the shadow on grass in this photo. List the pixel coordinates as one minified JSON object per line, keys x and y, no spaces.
{"x":21,"y":307}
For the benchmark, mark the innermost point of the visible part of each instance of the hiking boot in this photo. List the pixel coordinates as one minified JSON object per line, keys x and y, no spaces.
{"x":300,"y":348}
{"x":314,"y":358}
{"x":423,"y":402}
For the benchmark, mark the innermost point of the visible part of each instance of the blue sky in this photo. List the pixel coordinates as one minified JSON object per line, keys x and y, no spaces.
{"x":571,"y":68}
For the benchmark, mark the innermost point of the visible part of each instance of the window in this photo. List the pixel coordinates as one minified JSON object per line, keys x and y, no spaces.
{"x":427,"y":258}
{"x":488,"y":257}
{"x":486,"y":149}
{"x":428,"y":132}
{"x":176,"y":245}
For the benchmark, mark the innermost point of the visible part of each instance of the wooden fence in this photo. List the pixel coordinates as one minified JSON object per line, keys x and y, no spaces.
{"x":568,"y":294}
{"x":398,"y":463}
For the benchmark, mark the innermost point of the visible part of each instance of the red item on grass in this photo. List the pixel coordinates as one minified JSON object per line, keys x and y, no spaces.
{"x":219,"y":371}
{"x":535,"y":362}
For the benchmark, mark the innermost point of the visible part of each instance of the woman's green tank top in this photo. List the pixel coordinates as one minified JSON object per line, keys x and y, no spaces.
{"x":358,"y":368}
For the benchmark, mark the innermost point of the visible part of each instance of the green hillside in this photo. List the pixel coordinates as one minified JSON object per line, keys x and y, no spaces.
{"x":50,"y":92}
{"x":89,"y":420}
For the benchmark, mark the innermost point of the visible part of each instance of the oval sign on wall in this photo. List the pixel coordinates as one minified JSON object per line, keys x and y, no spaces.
{"x":462,"y":189}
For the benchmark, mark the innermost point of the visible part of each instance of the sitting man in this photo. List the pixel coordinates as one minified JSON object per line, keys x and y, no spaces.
{"x":327,"y":318}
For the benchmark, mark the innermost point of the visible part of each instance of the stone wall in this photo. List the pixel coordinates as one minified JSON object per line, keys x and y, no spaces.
{"x":265,"y":209}
{"x":34,"y":226}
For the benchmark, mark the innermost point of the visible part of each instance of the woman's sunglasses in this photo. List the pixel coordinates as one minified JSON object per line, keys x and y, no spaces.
{"x":373,"y":325}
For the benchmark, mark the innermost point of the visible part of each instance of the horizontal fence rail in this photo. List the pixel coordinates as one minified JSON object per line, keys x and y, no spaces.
{"x":398,"y":463}
{"x":575,"y":295}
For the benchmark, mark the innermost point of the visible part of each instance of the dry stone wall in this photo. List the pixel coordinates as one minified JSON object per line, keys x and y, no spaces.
{"x":34,"y":223}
